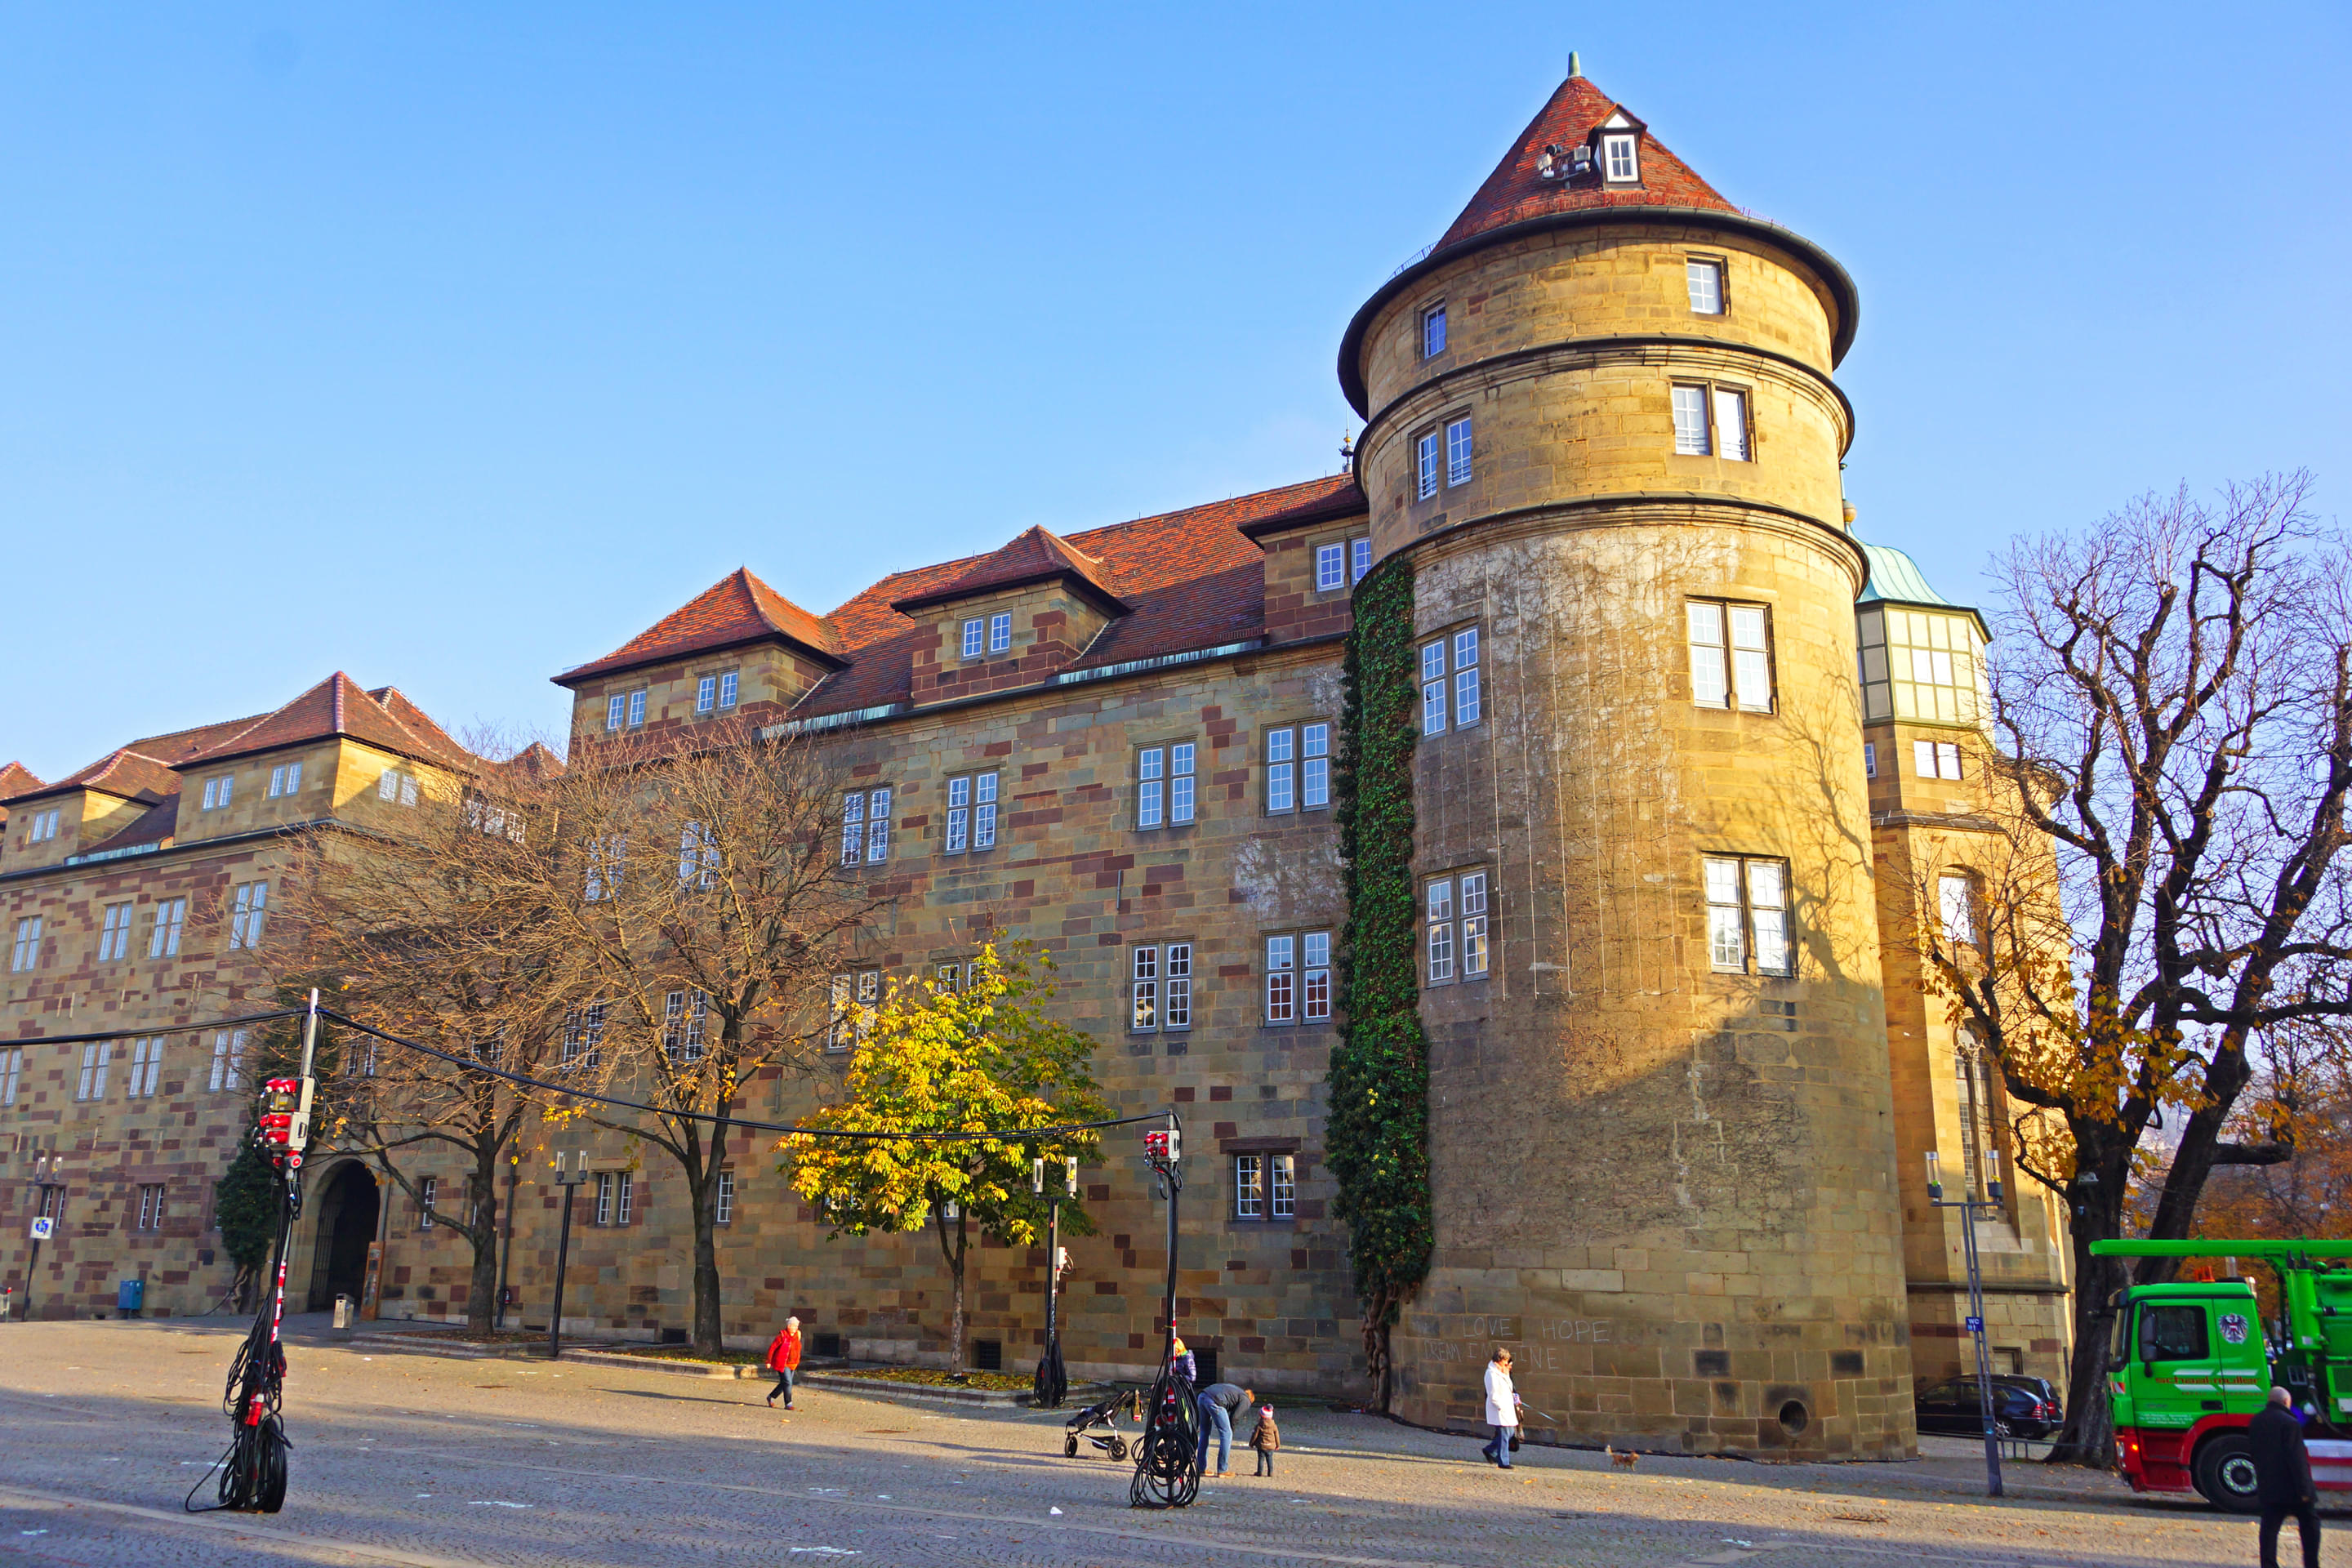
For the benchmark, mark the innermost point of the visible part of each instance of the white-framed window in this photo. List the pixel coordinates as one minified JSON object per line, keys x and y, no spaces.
{"x":1454,"y":924}
{"x":12,"y":1070}
{"x":428,"y":1194}
{"x":1691,"y":439}
{"x":1424,"y":462}
{"x":698,"y":856}
{"x":730,"y":683}
{"x":26,"y":954}
{"x":1711,"y":421}
{"x":1979,"y":1127}
{"x":1159,"y":986}
{"x":1340,"y":565}
{"x":1731,"y":654}
{"x":637,"y":708}
{"x":1956,"y":897}
{"x":726,"y":1210}
{"x":1457,"y":701}
{"x":608,"y":862}
{"x":624,"y":1200}
{"x":396,"y":786}
{"x":1870,"y":759}
{"x":685,"y":1016}
{"x":972,"y":813}
{"x":1432,"y":330}
{"x":1165,"y":784}
{"x":1731,"y":423}
{"x":999,"y":631}
{"x":229,"y":1060}
{"x":706,"y":694}
{"x":171,"y":914}
{"x":948,"y":978}
{"x":975,"y":630}
{"x":1706,"y":280}
{"x":1747,"y":915}
{"x":616,"y":712}
{"x":865,"y":827}
{"x":151,"y":1206}
{"x":285,"y":779}
{"x":1458,"y":450}
{"x":1618,"y":159}
{"x":114,"y":933}
{"x":1935,"y":759}
{"x":583,"y":1037}
{"x":1298,"y":977}
{"x":856,"y":996}
{"x":43,"y":827}
{"x":604,"y":1196}
{"x":218,"y":790}
{"x":248,"y":906}
{"x":146,"y":1067}
{"x":1265,"y":1186}
{"x":1297,"y":768}
{"x":95,"y":1057}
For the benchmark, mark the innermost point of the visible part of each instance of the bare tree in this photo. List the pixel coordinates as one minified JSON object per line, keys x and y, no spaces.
{"x":706,"y":896}
{"x":443,"y":932}
{"x":2175,"y":689}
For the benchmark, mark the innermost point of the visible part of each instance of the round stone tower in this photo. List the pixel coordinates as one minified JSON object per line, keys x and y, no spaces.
{"x":1600,"y":425}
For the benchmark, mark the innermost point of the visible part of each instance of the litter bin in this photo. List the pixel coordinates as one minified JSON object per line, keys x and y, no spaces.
{"x":343,"y":1311}
{"x":129,"y":1296}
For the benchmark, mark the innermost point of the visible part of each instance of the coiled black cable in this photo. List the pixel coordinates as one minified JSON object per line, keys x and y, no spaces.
{"x":1168,"y":1455}
{"x":253,"y":1470}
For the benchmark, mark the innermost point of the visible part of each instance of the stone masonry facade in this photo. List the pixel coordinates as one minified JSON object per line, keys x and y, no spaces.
{"x":1669,"y":783}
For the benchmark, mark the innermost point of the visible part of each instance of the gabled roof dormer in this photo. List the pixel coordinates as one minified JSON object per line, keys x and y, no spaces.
{"x":1616,"y":144}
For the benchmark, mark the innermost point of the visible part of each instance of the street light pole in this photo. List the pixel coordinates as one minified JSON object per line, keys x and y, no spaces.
{"x":1970,"y":1207}
{"x":570,"y":1172}
{"x":1053,"y":1381}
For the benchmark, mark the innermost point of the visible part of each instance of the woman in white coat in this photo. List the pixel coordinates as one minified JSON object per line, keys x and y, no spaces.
{"x":1502,"y":1407}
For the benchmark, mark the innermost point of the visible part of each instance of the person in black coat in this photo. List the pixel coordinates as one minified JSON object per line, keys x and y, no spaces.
{"x":2282,"y":1478}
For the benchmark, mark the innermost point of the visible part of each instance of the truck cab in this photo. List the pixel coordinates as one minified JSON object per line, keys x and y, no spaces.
{"x":2188,"y":1369}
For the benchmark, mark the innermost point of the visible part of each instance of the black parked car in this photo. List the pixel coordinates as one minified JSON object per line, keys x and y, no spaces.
{"x":2019,"y":1409}
{"x":2041,"y":1388}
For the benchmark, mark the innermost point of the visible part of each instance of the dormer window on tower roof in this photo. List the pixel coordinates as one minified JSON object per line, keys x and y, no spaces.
{"x":1618,"y":138}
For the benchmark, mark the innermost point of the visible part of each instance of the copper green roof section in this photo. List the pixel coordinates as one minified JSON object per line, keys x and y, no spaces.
{"x":1896,"y":579}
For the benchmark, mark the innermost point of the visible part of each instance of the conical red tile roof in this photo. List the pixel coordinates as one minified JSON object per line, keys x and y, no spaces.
{"x":1516,"y":191}
{"x":739,"y":608}
{"x":1034,"y":556}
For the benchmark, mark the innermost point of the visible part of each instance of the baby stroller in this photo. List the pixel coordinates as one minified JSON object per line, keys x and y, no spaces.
{"x":1103,"y":1415}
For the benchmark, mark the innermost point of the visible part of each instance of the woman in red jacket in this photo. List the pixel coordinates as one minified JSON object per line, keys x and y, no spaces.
{"x":783,"y":1356}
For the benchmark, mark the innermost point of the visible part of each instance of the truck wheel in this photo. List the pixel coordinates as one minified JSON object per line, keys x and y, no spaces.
{"x":2224,"y":1473}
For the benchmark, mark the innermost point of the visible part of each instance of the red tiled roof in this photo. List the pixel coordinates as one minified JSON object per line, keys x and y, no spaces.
{"x":1188,"y":580}
{"x":1036,"y":556}
{"x":1515,"y":192}
{"x":337,"y":706}
{"x":179,"y":745}
{"x":123,"y":772}
{"x":737,"y":609}
{"x":153,"y":826}
{"x":16,"y":779}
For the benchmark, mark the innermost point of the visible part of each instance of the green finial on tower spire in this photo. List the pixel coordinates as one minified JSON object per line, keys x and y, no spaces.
{"x":1575,"y":68}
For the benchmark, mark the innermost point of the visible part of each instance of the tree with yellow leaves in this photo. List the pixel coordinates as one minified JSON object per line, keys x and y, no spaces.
{"x":937,"y":1060}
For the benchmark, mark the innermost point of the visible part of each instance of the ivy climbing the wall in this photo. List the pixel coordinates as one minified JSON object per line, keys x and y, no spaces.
{"x":1378,"y":1129}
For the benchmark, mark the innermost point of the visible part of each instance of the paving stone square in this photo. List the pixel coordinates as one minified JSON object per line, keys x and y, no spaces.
{"x":427,"y":1461}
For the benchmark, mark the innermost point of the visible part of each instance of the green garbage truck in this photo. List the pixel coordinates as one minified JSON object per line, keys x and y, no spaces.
{"x":2192,"y":1361}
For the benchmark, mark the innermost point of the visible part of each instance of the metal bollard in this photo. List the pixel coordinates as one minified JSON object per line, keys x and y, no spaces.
{"x":343,"y":1311}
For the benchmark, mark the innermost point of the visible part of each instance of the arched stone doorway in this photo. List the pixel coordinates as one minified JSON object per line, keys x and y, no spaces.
{"x":347,"y":1210}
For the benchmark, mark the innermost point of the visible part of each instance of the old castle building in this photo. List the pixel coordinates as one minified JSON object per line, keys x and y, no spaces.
{"x":1686,"y":750}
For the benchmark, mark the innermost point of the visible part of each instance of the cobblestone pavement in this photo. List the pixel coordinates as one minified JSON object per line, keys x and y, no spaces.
{"x":429,"y":1462}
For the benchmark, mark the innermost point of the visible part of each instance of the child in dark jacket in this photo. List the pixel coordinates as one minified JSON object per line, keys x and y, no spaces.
{"x":1266,"y":1438}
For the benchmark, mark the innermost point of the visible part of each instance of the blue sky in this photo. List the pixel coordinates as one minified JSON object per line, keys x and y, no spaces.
{"x":452,"y":345}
